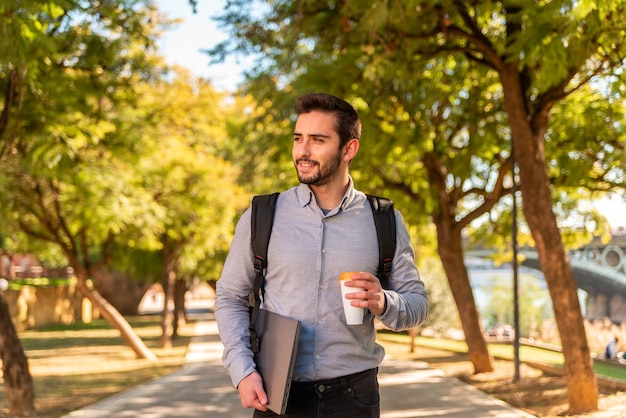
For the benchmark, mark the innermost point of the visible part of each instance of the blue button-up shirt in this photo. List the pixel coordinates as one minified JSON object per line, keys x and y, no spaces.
{"x":307,"y":251}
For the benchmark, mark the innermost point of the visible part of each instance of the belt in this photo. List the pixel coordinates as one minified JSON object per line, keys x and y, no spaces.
{"x":322,"y":386}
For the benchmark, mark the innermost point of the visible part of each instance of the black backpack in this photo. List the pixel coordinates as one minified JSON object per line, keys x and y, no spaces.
{"x":262,"y":219}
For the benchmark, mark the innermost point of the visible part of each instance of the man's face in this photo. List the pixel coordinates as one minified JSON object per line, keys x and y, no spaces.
{"x":316,"y":154}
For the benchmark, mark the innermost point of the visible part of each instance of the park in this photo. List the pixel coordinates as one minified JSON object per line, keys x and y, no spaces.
{"x":496,"y":128}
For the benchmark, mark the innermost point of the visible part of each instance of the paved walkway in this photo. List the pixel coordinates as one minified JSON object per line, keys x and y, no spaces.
{"x":202,"y":388}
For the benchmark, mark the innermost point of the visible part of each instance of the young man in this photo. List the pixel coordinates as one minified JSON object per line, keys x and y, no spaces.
{"x":322,"y":227}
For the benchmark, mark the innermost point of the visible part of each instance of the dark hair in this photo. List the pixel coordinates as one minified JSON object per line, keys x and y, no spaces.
{"x":348,"y":124}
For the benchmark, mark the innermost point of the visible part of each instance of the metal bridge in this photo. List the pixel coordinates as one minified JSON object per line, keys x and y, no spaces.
{"x":599,"y":270}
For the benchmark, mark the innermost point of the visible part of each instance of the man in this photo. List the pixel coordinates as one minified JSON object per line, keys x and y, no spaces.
{"x":611,"y":349}
{"x":322,"y":227}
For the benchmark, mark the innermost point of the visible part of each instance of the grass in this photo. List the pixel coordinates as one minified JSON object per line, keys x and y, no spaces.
{"x":505,"y":351}
{"x":76,"y":365}
{"x":40,"y":282}
{"x":608,"y":370}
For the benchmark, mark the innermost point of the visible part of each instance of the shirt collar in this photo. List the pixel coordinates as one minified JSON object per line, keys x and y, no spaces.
{"x":306,"y":196}
{"x":349,"y":196}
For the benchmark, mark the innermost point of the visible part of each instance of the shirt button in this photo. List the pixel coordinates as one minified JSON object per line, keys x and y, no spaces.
{"x":322,"y":388}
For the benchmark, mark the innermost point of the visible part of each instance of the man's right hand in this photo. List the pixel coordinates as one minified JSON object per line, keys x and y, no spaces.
{"x":251,"y":392}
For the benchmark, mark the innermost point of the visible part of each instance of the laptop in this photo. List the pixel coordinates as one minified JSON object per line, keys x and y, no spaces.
{"x":278,"y":345}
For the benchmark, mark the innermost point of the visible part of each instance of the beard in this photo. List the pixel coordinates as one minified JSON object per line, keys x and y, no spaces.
{"x":323,"y":174}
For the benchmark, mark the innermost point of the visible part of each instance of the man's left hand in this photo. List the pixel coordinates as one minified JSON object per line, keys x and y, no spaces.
{"x":373,"y":296}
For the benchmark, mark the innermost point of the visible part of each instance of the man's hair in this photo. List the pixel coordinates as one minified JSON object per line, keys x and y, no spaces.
{"x":348,"y":124}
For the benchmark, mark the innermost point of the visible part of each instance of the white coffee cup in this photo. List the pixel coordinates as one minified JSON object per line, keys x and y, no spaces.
{"x":354,"y":314}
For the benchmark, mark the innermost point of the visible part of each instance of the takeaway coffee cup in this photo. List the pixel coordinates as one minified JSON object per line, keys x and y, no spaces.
{"x":354,"y":314}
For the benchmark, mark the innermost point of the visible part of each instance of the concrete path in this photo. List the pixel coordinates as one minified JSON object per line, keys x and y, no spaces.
{"x":202,"y":388}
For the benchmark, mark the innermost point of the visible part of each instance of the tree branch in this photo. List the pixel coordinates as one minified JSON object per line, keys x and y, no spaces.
{"x":490,"y":198}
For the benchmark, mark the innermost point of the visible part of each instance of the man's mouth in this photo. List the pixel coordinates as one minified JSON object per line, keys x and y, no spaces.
{"x":306,"y":164}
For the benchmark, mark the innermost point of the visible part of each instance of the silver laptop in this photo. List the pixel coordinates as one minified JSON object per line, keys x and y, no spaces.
{"x":278,"y":345}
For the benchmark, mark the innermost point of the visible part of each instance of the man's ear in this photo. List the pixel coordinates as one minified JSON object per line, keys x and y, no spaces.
{"x":350,"y":149}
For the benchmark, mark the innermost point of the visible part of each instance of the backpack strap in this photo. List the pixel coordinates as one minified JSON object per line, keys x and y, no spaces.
{"x":385,"y":221}
{"x":262,"y":218}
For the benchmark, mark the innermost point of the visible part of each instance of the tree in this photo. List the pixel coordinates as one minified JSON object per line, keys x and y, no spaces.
{"x":530,"y":92}
{"x":18,"y":382}
{"x":61,"y":180}
{"x":185,"y":171}
{"x":540,"y":54}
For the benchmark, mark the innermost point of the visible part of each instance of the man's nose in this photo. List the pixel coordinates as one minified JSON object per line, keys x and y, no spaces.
{"x":303,"y":147}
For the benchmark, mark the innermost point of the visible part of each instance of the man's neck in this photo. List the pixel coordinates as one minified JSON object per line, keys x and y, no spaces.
{"x":329,"y":196}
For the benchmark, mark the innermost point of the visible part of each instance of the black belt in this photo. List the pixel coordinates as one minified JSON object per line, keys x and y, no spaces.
{"x":321,"y":386}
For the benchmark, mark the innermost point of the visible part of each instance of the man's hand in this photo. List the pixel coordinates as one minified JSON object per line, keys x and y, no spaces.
{"x":251,"y":392}
{"x":372,"y":298}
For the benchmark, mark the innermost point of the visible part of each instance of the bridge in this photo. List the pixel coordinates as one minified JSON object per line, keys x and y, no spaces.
{"x":599,"y":270}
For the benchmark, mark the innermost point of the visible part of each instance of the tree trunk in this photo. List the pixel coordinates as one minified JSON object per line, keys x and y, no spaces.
{"x":451,"y":254}
{"x":171,"y":251}
{"x":212,"y":284}
{"x":450,"y":249}
{"x":112,"y":316}
{"x":527,"y":136}
{"x":180,"y":315}
{"x":413,"y":334}
{"x":18,"y":383}
{"x":167,"y":317}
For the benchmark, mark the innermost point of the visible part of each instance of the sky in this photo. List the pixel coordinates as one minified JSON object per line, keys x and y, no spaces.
{"x":182,"y":45}
{"x":614,"y":209}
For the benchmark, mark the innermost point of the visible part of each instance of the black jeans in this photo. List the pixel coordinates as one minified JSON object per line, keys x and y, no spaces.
{"x":352,"y":396}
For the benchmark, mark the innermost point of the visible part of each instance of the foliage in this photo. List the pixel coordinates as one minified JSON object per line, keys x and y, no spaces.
{"x":260,"y":132}
{"x":185,"y":171}
{"x":415,"y":100}
{"x":131,"y":154}
{"x":68,"y":158}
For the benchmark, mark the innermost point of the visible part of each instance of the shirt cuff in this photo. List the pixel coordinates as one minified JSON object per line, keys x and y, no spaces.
{"x":390,"y":317}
